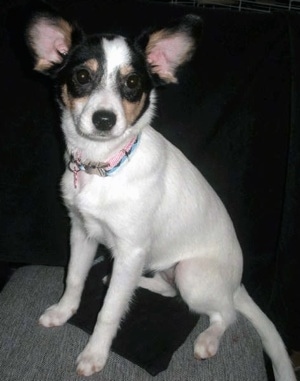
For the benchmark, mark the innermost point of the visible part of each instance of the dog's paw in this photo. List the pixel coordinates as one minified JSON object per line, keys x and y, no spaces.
{"x":90,"y":361}
{"x":55,"y":316}
{"x":205,"y":346}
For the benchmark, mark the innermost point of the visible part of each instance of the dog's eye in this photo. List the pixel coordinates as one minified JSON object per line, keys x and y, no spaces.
{"x":83,"y":76}
{"x":133,"y":81}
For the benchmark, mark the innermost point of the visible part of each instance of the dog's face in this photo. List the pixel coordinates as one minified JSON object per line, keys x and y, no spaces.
{"x":105,"y":86}
{"x":105,"y":82}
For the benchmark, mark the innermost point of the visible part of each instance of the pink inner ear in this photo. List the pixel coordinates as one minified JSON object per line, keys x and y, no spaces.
{"x":168,"y":53}
{"x":159,"y":59}
{"x":50,"y":42}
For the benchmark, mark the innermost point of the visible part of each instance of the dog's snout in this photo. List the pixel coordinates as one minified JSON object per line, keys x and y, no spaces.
{"x":104,"y":120}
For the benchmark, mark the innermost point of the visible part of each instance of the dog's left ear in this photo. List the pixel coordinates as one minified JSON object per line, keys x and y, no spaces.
{"x":169,"y":48}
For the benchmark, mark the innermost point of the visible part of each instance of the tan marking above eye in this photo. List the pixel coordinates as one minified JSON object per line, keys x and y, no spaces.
{"x":92,"y":64}
{"x":132,"y":110}
{"x":125,"y":70}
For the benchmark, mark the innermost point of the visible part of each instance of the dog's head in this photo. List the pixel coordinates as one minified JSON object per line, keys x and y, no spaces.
{"x":105,"y":82}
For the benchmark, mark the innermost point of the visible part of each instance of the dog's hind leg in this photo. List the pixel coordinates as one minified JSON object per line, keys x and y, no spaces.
{"x":202,"y":287}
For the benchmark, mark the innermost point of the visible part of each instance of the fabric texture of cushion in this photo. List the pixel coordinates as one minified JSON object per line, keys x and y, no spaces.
{"x":30,"y":352}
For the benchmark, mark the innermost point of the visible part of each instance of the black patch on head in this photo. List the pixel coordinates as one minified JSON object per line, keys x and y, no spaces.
{"x":79,"y":77}
{"x":82,"y":80}
{"x":131,"y":86}
{"x":138,"y":81}
{"x":109,"y":36}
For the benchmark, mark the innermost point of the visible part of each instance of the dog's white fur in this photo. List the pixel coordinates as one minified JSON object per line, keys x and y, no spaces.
{"x":156,"y":213}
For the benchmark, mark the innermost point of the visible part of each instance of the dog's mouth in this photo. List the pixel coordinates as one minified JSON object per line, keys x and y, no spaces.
{"x":97,"y":135}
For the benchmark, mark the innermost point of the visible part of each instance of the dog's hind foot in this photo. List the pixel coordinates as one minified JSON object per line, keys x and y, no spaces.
{"x":207,"y":343}
{"x":205,"y":346}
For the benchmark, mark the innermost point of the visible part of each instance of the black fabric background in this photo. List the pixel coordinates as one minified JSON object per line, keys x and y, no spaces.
{"x":235,"y":114}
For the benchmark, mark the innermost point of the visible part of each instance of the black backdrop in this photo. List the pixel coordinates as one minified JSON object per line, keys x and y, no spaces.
{"x":235,"y":114}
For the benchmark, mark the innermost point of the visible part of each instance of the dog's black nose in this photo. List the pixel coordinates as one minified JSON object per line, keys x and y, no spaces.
{"x":104,"y":120}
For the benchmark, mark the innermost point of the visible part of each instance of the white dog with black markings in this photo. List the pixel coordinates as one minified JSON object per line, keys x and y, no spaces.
{"x":130,"y":189}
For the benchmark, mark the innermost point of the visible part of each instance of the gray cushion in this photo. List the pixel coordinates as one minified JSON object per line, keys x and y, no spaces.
{"x":30,"y":352}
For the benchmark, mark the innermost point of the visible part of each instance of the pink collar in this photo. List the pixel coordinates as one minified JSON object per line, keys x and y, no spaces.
{"x":102,"y":169}
{"x":115,"y":160}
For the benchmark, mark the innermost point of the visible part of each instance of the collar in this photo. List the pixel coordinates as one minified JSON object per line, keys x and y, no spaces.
{"x":102,"y":169}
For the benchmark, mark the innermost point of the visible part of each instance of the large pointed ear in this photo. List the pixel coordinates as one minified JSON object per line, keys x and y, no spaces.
{"x":169,"y":48}
{"x":50,"y":38}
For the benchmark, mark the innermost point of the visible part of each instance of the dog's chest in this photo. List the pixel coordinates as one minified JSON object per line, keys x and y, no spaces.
{"x":91,"y":199}
{"x":99,"y":203}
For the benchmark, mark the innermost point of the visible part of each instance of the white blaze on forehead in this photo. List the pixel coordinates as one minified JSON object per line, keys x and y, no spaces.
{"x":117,"y":54}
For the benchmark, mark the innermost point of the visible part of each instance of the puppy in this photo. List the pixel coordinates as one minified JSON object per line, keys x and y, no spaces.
{"x":130,"y":189}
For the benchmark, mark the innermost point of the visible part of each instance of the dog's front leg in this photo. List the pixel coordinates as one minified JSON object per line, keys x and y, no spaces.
{"x":127,"y":269}
{"x":83,"y":250}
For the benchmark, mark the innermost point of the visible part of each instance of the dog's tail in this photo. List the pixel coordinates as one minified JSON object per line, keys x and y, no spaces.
{"x":271,"y":340}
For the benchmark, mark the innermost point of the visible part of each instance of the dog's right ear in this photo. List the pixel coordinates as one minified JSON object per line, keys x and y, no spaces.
{"x":50,"y":38}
